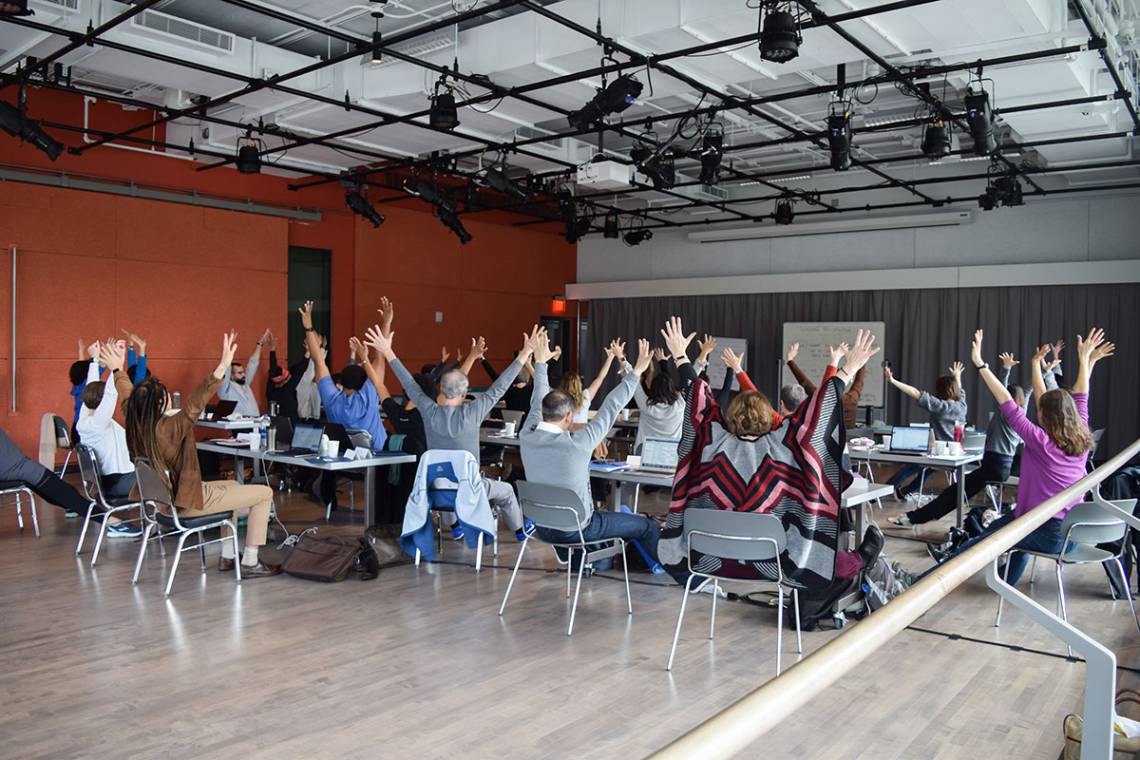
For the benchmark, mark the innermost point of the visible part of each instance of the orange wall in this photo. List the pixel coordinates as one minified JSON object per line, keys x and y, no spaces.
{"x":91,"y":264}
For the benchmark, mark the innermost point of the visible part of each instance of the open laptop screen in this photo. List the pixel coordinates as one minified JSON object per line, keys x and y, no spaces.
{"x":659,"y":454}
{"x":910,"y":439}
{"x":307,"y":437}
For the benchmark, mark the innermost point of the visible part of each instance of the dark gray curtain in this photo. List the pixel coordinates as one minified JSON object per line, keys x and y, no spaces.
{"x":926,"y":331}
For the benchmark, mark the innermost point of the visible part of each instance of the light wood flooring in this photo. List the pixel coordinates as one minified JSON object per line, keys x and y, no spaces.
{"x":418,"y":664}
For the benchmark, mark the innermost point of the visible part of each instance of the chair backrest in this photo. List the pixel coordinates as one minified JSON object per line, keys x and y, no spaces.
{"x":153,"y":490}
{"x":1088,"y":523}
{"x":89,"y":472}
{"x":974,"y":441}
{"x":510,"y":415}
{"x":552,"y":507}
{"x":1096,"y":436}
{"x":360,"y":439}
{"x":744,"y":536}
{"x":62,"y":432}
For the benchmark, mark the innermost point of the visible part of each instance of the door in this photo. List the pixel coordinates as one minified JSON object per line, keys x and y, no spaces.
{"x":310,"y":279}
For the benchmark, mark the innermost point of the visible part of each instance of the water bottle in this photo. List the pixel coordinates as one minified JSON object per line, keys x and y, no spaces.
{"x":272,"y":439}
{"x":176,"y":400}
{"x":264,"y":437}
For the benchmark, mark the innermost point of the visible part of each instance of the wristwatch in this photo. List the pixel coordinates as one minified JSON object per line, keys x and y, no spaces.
{"x":983,"y":365}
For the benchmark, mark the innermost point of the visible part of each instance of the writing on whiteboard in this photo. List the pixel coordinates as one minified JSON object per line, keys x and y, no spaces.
{"x":816,"y":337}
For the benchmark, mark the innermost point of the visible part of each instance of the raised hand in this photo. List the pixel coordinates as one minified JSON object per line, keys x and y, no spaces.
{"x":306,"y":313}
{"x":271,"y":341}
{"x":732,"y":360}
{"x":888,"y":374}
{"x":675,"y":338}
{"x":112,"y":356}
{"x":387,"y":314}
{"x":837,"y":352}
{"x":229,"y":347}
{"x":793,"y":352}
{"x":540,"y":346}
{"x":478,"y":347}
{"x":659,"y":354}
{"x":976,"y":350}
{"x":528,"y":341}
{"x":376,"y":338}
{"x":1086,"y":346}
{"x":644,"y":356}
{"x":618,"y":349}
{"x":444,"y":355}
{"x":956,"y":370}
{"x":1103,"y":351}
{"x":706,"y":346}
{"x":1040,"y":352}
{"x":1007,"y":360}
{"x":1058,"y":347}
{"x":861,"y":352}
{"x":93,"y":350}
{"x":357,"y":349}
{"x":557,"y":353}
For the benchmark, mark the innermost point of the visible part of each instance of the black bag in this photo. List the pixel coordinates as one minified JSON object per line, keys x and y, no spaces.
{"x":1124,"y":485}
{"x":330,"y":559}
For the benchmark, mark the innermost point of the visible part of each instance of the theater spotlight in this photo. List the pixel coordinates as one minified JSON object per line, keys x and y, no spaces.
{"x":496,"y":178}
{"x":981,"y":120}
{"x":356,"y":201}
{"x":779,"y":32}
{"x":637,"y":236}
{"x":610,"y":229}
{"x":18,"y":125}
{"x":451,"y":220}
{"x":657,"y":166}
{"x":839,"y":136}
{"x":248,"y":159}
{"x":443,"y":113}
{"x":617,"y":96}
{"x":936,"y":139}
{"x":712,"y":151}
{"x":784,"y":211}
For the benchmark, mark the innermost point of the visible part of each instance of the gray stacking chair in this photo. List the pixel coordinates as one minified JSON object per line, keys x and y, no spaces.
{"x":20,"y":490}
{"x":93,"y":490}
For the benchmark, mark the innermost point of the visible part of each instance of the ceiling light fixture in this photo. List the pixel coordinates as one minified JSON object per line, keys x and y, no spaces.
{"x":615,"y":97}
{"x":980,"y":117}
{"x":711,"y":153}
{"x":839,"y":135}
{"x":443,"y":113}
{"x":936,"y":138}
{"x":248,"y":159}
{"x":444,"y":208}
{"x":355,"y":200}
{"x":16,"y":123}
{"x":611,"y":230}
{"x":657,"y":166}
{"x":637,"y":236}
{"x":779,"y":28}
{"x":784,"y":211}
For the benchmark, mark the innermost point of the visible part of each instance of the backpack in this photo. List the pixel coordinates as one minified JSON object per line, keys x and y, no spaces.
{"x":330,"y":559}
{"x":880,"y":584}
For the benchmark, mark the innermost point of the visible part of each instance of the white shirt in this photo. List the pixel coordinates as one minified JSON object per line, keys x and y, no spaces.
{"x":98,"y":429}
{"x":582,"y":413}
{"x":242,"y":393}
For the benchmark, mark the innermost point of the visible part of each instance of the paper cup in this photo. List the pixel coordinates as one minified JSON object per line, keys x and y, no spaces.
{"x":334,"y":449}
{"x":508,"y":428}
{"x":956,"y":449}
{"x":886,"y":441}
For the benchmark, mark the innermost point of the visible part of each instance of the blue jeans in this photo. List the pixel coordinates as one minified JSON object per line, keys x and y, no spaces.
{"x":1047,"y":538}
{"x":909,"y":472}
{"x":605,"y":525}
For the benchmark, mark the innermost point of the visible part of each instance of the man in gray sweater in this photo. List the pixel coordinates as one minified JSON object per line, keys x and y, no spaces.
{"x":452,"y":422}
{"x":556,"y":455}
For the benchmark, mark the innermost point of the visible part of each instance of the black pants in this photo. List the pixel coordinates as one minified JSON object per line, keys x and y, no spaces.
{"x":51,"y":488}
{"x":118,"y":485}
{"x":993,"y":468}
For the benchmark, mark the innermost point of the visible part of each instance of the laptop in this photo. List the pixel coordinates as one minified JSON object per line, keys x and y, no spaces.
{"x":306,"y":440}
{"x":339,"y":433}
{"x":914,"y":441}
{"x":221,"y":410}
{"x":659,"y":455}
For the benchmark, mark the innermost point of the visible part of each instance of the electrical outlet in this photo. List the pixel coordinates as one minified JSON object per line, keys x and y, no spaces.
{"x":439,"y":317}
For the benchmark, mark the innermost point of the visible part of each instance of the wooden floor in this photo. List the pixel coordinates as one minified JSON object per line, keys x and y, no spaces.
{"x":418,"y":664}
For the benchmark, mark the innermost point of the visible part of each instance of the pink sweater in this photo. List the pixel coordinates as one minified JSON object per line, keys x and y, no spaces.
{"x":1045,"y":469}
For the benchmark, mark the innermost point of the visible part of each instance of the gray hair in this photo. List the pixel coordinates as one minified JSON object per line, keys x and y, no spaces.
{"x":791,"y":396}
{"x":453,"y":384}
{"x":556,"y":405}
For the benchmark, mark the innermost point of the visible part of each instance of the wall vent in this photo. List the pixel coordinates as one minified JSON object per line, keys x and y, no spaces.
{"x":166,"y":26}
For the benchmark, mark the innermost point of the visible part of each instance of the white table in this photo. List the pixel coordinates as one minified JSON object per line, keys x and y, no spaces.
{"x":245,"y":423}
{"x":956,"y":463}
{"x":491,"y":439}
{"x":331,"y":465}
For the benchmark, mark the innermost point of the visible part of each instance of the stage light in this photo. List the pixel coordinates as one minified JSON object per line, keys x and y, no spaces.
{"x":936,"y":139}
{"x":360,"y":205}
{"x":444,"y":208}
{"x":784,"y":211}
{"x":377,"y":42}
{"x":610,"y":229}
{"x":712,"y":150}
{"x":451,"y":220}
{"x":779,"y":33}
{"x":19,"y":125}
{"x":839,"y":137}
{"x":497,"y":179}
{"x":15,"y":8}
{"x":443,"y":113}
{"x":637,"y":237}
{"x":1003,"y":190}
{"x":981,"y":120}
{"x":657,"y":166}
{"x":617,"y":96}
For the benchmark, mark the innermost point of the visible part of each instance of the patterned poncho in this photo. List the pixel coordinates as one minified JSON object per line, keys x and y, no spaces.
{"x":794,"y":472}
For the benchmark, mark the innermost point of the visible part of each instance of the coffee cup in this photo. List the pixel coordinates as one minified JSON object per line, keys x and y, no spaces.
{"x":334,"y":449}
{"x":956,"y":449}
{"x":508,"y":429}
{"x":886,"y":441}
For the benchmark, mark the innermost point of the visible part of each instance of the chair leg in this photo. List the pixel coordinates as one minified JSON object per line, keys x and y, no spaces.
{"x":32,"y":509}
{"x":712,"y":617}
{"x":83,"y":530}
{"x":511,"y":582}
{"x":779,"y":629}
{"x":1128,"y":592}
{"x":1033,"y":571}
{"x":66,"y":462}
{"x":417,"y":557}
{"x":680,"y":618}
{"x":1062,"y":608}
{"x":569,"y":568}
{"x":577,"y":591}
{"x":1001,"y":599}
{"x":19,"y":512}
{"x":237,"y":554}
{"x":142,"y":551}
{"x":799,"y":638}
{"x":625,"y":572}
{"x":99,"y":541}
{"x":177,"y":558}
{"x":479,"y":554}
{"x":202,"y":554}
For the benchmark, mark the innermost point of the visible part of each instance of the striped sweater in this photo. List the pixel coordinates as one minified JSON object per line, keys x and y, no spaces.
{"x":794,"y":472}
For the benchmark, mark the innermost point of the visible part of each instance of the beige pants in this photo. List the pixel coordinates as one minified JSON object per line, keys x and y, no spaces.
{"x":230,"y":496}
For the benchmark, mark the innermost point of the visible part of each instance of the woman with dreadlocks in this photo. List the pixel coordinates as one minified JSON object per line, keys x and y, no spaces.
{"x":165,"y":436}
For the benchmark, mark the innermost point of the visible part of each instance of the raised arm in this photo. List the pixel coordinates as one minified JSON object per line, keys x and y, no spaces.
{"x":312,"y":342}
{"x":254,"y":362}
{"x":477,"y":352}
{"x":1038,"y":380}
{"x":111,"y":356}
{"x":1089,"y":351}
{"x":360,"y":351}
{"x":503,"y":382}
{"x":602,"y":373}
{"x":599,"y":427}
{"x":540,"y":346}
{"x":908,"y":390}
{"x":996,"y":386}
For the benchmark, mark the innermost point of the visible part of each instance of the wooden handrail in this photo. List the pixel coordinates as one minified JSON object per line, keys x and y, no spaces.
{"x":736,"y":727}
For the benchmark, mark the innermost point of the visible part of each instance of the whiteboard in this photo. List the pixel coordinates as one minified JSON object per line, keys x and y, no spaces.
{"x":717,"y":366}
{"x":815,"y":337}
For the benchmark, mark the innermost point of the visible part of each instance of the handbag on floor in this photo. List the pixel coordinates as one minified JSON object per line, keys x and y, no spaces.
{"x":330,"y":559}
{"x":1123,"y":747}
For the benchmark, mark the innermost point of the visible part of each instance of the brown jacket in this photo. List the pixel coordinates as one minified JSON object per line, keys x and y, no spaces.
{"x":850,"y":396}
{"x":176,"y":443}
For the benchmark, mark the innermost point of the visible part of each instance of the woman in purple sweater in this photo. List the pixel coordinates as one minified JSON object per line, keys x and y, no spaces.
{"x":1055,"y":450}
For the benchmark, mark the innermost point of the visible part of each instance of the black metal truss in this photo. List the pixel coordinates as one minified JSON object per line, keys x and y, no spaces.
{"x":1108,"y":64}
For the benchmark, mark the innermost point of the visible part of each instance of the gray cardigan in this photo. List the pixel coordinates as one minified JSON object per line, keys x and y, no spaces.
{"x":563,"y":459}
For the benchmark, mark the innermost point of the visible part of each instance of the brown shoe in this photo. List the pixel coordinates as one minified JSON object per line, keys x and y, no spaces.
{"x":225,"y":565}
{"x":260,"y":570}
